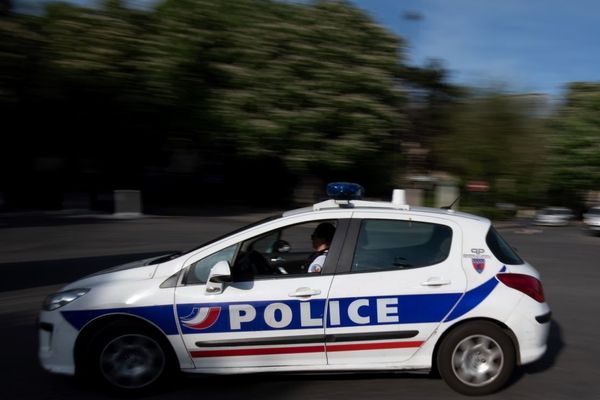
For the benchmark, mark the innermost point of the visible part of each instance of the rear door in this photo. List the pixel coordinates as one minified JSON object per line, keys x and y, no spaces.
{"x":397,"y":278}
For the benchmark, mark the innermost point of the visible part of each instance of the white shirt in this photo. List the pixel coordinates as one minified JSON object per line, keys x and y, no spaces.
{"x":317,"y":264}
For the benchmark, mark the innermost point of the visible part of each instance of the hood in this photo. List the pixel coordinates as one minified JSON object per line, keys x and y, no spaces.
{"x":129,"y":265}
{"x":135,"y":270}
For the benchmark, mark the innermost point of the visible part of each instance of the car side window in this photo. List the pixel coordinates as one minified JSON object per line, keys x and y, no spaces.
{"x":277,"y":253}
{"x":385,"y":245}
{"x":198,"y":271}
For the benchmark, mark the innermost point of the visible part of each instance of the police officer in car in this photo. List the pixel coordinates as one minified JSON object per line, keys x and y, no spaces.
{"x":321,"y":240}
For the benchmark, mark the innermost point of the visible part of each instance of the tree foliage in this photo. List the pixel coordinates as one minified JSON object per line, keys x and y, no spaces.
{"x":191,"y":97}
{"x":575,"y":153}
{"x":495,"y":138}
{"x":313,"y":88}
{"x":275,"y":86}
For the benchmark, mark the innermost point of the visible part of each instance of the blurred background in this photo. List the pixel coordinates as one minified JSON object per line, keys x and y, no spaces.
{"x":195,"y":103}
{"x":206,"y":115}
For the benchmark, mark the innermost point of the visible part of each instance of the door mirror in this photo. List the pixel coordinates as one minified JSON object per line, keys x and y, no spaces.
{"x":219,"y":274}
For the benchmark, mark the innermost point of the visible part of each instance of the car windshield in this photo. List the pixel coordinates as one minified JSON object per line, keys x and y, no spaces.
{"x":172,"y":256}
{"x":594,"y":211}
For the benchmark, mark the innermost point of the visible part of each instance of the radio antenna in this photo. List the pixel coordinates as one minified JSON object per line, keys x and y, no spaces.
{"x":450,"y":206}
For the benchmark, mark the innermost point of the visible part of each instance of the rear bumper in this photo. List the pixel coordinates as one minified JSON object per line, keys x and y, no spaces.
{"x":530,"y":323}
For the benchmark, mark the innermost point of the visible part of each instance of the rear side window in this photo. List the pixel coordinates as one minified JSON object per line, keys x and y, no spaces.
{"x":501,"y":249}
{"x":385,"y":245}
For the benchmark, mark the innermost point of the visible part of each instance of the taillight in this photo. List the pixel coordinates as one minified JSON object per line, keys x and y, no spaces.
{"x":529,"y":285}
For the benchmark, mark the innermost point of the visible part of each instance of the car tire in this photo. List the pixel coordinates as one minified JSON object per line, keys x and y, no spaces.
{"x":476,"y":358}
{"x":129,"y":358}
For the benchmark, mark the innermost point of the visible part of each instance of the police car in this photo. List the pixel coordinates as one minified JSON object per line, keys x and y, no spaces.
{"x":401,"y":288}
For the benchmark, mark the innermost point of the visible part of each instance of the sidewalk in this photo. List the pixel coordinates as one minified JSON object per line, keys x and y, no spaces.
{"x":81,"y":216}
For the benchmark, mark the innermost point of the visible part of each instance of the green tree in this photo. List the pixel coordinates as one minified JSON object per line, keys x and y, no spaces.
{"x":245,"y":89}
{"x":496,"y":138}
{"x":312,"y":88}
{"x":574,"y":161}
{"x":310,"y":84}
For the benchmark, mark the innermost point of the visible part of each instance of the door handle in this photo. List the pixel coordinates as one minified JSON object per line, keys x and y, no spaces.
{"x":213,"y":289}
{"x":436,"y":282}
{"x":304,"y":292}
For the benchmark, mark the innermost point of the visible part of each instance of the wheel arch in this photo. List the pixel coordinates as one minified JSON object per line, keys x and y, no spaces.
{"x":94,"y":328}
{"x":504,"y":327}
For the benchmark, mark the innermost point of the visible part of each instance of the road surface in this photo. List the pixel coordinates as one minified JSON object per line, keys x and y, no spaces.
{"x":37,"y":258}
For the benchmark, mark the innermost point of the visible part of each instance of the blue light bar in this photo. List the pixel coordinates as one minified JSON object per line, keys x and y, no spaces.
{"x":344,"y":191}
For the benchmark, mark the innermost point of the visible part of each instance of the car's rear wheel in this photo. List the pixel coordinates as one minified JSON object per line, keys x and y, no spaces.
{"x":476,"y":358}
{"x":130,"y":358}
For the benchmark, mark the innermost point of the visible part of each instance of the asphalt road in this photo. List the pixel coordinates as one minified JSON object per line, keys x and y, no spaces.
{"x":36,"y":258}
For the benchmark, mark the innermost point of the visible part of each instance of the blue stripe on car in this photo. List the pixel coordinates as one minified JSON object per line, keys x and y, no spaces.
{"x":162,"y":316}
{"x":426,"y":308}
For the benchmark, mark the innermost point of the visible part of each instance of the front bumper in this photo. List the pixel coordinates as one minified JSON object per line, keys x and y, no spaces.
{"x":56,"y":343}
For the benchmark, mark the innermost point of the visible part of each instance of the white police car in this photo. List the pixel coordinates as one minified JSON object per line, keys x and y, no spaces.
{"x":401,"y":288}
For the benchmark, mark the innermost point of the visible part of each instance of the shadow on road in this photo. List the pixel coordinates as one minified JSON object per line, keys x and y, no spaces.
{"x":23,"y":275}
{"x":261,"y":386}
{"x":550,"y":357}
{"x":555,"y":346}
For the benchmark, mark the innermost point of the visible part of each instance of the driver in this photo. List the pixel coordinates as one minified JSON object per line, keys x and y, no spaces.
{"x":321,"y":240}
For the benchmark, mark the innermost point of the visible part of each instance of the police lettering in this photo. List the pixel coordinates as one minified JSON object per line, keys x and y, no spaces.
{"x":283,"y":320}
{"x":280,"y":315}
{"x":239,"y":313}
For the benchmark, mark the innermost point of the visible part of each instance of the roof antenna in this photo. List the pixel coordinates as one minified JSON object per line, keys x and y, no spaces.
{"x":450,"y":206}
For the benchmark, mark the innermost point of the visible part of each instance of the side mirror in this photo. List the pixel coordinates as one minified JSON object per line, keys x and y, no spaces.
{"x":281,"y":246}
{"x":219,"y":274}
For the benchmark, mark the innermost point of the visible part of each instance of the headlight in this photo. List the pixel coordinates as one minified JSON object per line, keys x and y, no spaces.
{"x":57,"y":300}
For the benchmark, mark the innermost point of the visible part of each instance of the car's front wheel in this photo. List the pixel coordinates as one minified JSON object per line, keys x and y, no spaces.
{"x":476,"y":358}
{"x":130,"y":358}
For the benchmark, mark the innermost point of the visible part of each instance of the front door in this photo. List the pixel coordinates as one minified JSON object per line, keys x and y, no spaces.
{"x":274,"y":318}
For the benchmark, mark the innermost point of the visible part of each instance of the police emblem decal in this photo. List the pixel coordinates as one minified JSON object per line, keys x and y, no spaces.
{"x":201,"y":317}
{"x":479,"y":264}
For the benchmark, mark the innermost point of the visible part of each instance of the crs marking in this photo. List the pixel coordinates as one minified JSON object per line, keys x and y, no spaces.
{"x":478,"y":264}
{"x":201,"y":317}
{"x":477,"y":253}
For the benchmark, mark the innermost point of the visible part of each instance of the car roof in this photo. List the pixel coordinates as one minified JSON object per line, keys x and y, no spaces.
{"x":364,"y":205}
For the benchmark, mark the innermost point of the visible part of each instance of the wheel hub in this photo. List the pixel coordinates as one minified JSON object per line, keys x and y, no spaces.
{"x":477,"y":360}
{"x":132,"y":361}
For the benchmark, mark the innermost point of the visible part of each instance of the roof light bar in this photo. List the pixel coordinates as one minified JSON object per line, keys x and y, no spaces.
{"x":345,"y":191}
